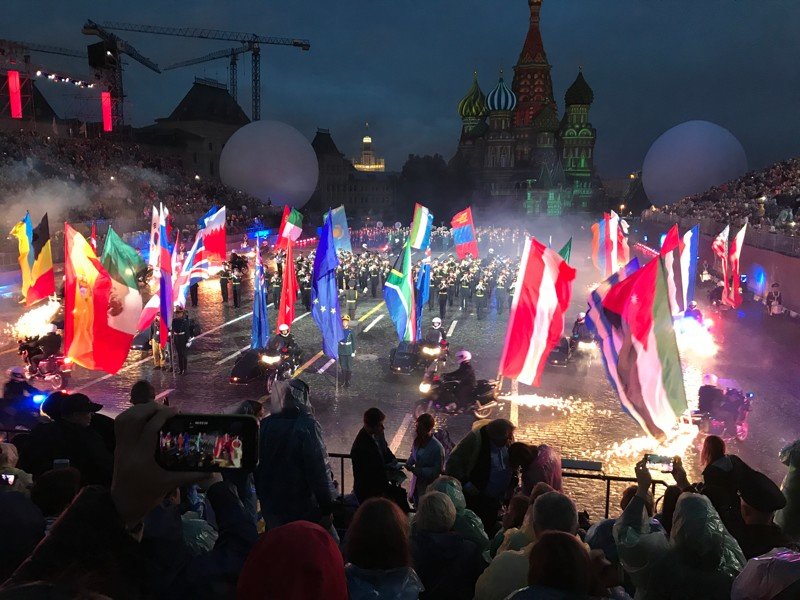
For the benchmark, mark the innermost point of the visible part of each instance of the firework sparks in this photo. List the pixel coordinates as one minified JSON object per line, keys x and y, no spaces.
{"x":678,"y":442}
{"x":693,"y":338}
{"x":35,"y":322}
{"x":538,"y":403}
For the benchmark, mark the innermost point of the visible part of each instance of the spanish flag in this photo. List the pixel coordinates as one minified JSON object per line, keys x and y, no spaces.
{"x":87,"y":294}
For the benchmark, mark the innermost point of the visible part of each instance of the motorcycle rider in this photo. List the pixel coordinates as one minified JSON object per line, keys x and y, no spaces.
{"x":283,"y":343}
{"x":713,"y":401}
{"x":436,"y":335}
{"x":693,"y":312}
{"x":15,"y":391}
{"x":465,"y":377}
{"x":50,"y":345}
{"x":580,"y":332}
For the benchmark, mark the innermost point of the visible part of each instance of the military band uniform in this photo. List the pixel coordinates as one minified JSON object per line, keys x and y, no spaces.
{"x":351,"y":300}
{"x":276,"y":291}
{"x":305,"y":294}
{"x":236,"y":282}
{"x":181,"y":330}
{"x":480,"y":300}
{"x":224,"y":277}
{"x":442,"y":300}
{"x":464,"y":293}
{"x":347,"y":350}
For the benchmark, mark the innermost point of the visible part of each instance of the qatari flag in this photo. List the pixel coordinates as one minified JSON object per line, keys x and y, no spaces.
{"x":544,"y":286}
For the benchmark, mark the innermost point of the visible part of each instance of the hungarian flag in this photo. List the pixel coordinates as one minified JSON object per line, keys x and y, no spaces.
{"x":536,"y":323}
{"x":645,"y":366}
{"x":610,"y":243}
{"x":35,"y":259}
{"x":720,"y":249}
{"x":87,"y":296}
{"x":421,"y":227}
{"x":122,"y":263}
{"x":463,"y":231}
{"x":671,"y":250}
{"x":734,"y":295}
{"x":291,"y":226}
{"x":398,"y":292}
{"x":214,"y":234}
{"x":288,"y":290}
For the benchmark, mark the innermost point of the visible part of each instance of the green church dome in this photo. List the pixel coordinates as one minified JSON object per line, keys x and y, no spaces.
{"x":473,"y":105}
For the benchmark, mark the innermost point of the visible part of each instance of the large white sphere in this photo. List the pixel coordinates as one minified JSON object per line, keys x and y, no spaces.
{"x":689,"y":159}
{"x":270,"y":160}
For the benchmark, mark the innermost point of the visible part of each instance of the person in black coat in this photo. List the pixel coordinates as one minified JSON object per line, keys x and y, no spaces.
{"x":373,"y":461}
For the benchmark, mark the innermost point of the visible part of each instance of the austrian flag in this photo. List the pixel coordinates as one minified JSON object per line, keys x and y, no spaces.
{"x":544,"y":286}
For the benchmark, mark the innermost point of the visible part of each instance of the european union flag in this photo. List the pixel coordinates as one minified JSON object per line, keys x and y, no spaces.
{"x":325,"y":293}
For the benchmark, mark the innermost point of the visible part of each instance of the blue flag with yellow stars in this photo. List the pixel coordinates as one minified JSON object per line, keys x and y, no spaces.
{"x":325,"y":293}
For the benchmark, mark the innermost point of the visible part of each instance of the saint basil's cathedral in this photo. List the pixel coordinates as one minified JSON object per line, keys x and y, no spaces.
{"x":515,"y":150}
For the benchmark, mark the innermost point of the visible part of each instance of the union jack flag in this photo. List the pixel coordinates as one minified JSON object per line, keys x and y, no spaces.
{"x":193,"y":270}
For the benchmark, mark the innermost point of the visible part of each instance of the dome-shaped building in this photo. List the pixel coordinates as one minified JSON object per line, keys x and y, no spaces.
{"x":528,"y":155}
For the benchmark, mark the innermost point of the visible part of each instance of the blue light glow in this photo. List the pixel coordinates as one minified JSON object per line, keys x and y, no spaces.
{"x":39,"y":398}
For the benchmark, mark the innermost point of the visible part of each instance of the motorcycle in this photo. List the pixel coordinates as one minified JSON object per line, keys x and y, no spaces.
{"x":278,"y":367}
{"x":710,"y":424}
{"x":439,"y":397}
{"x":23,"y":414}
{"x":269,"y":364}
{"x":54,"y":370}
{"x":430,"y":352}
{"x":574,"y":350}
{"x":410,"y":356}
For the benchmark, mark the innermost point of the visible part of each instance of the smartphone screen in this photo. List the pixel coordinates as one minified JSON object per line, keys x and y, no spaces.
{"x":657,"y":462}
{"x":208,"y":443}
{"x":7,"y":478}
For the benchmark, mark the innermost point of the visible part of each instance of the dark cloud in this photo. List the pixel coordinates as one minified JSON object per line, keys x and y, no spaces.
{"x":403,"y":66}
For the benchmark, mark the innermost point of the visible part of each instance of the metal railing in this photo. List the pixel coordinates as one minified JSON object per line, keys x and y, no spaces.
{"x":568,"y":473}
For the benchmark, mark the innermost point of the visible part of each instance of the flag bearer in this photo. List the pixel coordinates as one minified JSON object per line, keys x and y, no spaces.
{"x":347,"y":350}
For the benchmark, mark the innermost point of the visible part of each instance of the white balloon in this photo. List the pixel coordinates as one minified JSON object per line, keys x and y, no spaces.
{"x":691,"y":158}
{"x":270,"y":160}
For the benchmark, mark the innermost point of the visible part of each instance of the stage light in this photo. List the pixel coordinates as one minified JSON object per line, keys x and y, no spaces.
{"x":105,"y":105}
{"x":14,"y":94}
{"x":38,"y":73}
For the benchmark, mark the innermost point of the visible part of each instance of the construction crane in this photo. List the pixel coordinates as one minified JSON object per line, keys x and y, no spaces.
{"x":231,"y":53}
{"x":26,"y":47}
{"x":251,"y":43}
{"x":113,"y":66}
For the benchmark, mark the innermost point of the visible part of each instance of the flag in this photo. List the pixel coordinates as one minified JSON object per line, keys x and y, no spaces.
{"x":122,"y":263}
{"x":23,"y":231}
{"x":212,"y":225}
{"x":165,"y":294}
{"x":566,"y":251}
{"x":192,"y":270}
{"x":720,"y":249}
{"x":87,"y":294}
{"x":671,"y":250}
{"x":93,"y":237}
{"x":155,"y":233}
{"x":421,"y":228}
{"x":42,"y":281}
{"x":536,"y":321}
{"x":689,"y":258}
{"x":398,"y":292}
{"x":291,"y":226}
{"x":325,"y":292}
{"x":609,"y":243}
{"x":288,"y":290}
{"x":422,"y":289}
{"x":341,"y":232}
{"x":734,"y":297}
{"x":259,"y":330}
{"x":647,"y":371}
{"x":464,"y":234}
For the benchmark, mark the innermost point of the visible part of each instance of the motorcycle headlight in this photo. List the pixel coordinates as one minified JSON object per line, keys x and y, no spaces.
{"x":270,"y":360}
{"x":430,"y":351}
{"x":424,"y":387}
{"x":67,"y":360}
{"x":586,"y":346}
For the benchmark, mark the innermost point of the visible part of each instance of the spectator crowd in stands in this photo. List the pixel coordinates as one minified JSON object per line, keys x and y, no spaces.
{"x":491,"y":519}
{"x":769,"y":199}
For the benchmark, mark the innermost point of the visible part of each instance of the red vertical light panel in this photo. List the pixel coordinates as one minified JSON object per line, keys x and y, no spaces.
{"x":15,"y":94}
{"x":105,"y":104}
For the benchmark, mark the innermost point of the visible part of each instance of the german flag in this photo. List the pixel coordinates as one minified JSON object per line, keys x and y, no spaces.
{"x":43,"y":281}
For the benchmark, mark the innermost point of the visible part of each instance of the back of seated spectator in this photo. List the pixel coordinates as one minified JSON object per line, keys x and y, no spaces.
{"x":559,"y":568}
{"x":54,"y":491}
{"x":378,"y":551}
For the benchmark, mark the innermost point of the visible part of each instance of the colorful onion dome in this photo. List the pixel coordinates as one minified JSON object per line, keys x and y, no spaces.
{"x":473,"y":105}
{"x":501,"y":98}
{"x":579,"y":92}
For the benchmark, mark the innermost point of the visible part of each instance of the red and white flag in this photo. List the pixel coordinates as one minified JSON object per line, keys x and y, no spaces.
{"x":671,"y":250}
{"x":93,"y":237}
{"x":214,"y":236}
{"x":734,"y":296}
{"x":720,"y":248}
{"x":288,"y":290}
{"x":544,"y":286}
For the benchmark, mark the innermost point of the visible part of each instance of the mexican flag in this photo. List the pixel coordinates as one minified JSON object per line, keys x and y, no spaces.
{"x":647,"y":365}
{"x":291,"y":226}
{"x":122,"y":263}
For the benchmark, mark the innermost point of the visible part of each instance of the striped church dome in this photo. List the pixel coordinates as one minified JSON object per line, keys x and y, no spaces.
{"x":501,"y":98}
{"x":473,"y":105}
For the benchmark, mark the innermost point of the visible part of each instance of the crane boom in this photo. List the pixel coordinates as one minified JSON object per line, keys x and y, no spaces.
{"x":51,"y":49}
{"x":227,"y":53}
{"x":209,"y":34}
{"x":92,"y":28}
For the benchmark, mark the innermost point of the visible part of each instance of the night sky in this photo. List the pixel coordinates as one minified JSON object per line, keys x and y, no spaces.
{"x":403,"y":66}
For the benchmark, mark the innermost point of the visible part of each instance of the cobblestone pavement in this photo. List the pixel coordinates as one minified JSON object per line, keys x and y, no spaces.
{"x":575,"y":412}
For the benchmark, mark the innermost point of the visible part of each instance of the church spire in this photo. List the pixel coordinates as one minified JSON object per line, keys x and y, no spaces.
{"x":532,"y":83}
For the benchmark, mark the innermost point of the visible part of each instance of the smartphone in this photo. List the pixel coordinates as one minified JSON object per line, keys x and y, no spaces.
{"x":7,"y":478}
{"x":61,"y":463}
{"x":208,"y":443}
{"x":657,"y":462}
